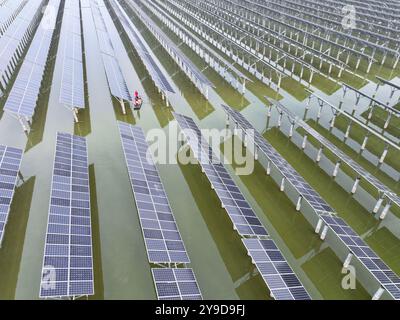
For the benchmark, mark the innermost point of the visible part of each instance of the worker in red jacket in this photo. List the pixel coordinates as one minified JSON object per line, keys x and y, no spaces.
{"x":137,"y":100}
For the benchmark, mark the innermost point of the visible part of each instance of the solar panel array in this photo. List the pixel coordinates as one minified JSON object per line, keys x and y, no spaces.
{"x":275,"y":271}
{"x":290,"y":174}
{"x":348,"y":232}
{"x":153,"y":69}
{"x":242,"y":215}
{"x":24,"y":94}
{"x":176,"y":284}
{"x":387,"y":278}
{"x":162,"y":238}
{"x":8,"y":12}
{"x":115,"y":78}
{"x":10,"y":162}
{"x":16,"y":38}
{"x":68,"y":256}
{"x":171,"y":46}
{"x":341,"y":155}
{"x":159,"y":11}
{"x":72,"y":83}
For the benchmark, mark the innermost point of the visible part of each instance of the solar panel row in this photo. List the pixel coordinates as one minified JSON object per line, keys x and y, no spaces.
{"x":242,"y":215}
{"x":383,"y":274}
{"x":161,"y":234}
{"x":160,"y":231}
{"x":348,"y":236}
{"x":68,"y":257}
{"x":155,"y":72}
{"x":115,"y":78}
{"x":290,"y":174}
{"x":277,"y":274}
{"x":10,"y":162}
{"x":24,"y":94}
{"x":16,"y":38}
{"x":72,"y":83}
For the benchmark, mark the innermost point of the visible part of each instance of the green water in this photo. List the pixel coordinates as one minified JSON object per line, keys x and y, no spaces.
{"x":219,"y":260}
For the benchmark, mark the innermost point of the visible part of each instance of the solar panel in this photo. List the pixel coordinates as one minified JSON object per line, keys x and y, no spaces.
{"x":162,"y":238}
{"x":241,"y":214}
{"x":68,"y":257}
{"x":383,"y":274}
{"x":115,"y":78}
{"x":155,"y":72}
{"x":290,"y":174}
{"x":24,"y":94}
{"x":275,"y":271}
{"x":10,"y":162}
{"x":72,"y":83}
{"x":176,"y":284}
{"x":15,"y":39}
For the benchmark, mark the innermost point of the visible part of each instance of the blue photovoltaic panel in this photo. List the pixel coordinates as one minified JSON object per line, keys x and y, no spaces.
{"x":10,"y":162}
{"x":275,"y":271}
{"x":72,"y":84}
{"x":290,"y":174}
{"x":68,"y":257}
{"x":115,"y":78}
{"x":176,"y":284}
{"x":25,"y":91}
{"x":387,"y":278}
{"x":162,"y":238}
{"x":155,"y":72}
{"x":242,"y":215}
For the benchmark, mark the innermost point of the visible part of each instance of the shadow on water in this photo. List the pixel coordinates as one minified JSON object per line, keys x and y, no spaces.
{"x":14,"y":237}
{"x":97,"y":266}
{"x":248,"y":284}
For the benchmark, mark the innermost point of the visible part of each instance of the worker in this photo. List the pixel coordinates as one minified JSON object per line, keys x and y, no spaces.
{"x":137,"y":100}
